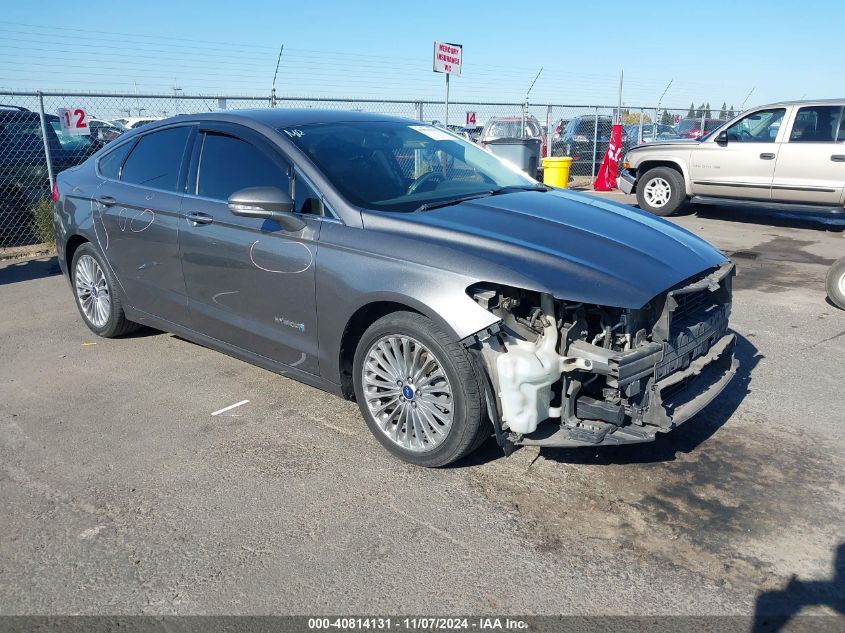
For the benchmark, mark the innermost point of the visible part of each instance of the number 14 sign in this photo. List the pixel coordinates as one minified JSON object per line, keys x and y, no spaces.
{"x":74,"y":121}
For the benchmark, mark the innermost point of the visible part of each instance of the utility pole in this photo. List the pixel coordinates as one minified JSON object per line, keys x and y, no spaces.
{"x":742,"y":107}
{"x":176,"y":91}
{"x":275,"y":74}
{"x":657,"y":112}
{"x":619,"y":107}
{"x":525,"y":105}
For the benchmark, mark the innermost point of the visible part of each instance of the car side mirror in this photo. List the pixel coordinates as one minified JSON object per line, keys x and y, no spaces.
{"x":722,"y":137}
{"x":269,"y":203}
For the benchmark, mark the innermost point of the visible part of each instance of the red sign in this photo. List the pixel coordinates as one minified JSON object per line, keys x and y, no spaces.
{"x":471,"y":119}
{"x":609,"y":169}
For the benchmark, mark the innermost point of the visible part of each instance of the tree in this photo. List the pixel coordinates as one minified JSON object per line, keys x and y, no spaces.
{"x":666,"y":119}
{"x":633,"y":118}
{"x":691,"y":113}
{"x":723,"y":113}
{"x":731,"y":113}
{"x":708,"y":114}
{"x":700,"y":112}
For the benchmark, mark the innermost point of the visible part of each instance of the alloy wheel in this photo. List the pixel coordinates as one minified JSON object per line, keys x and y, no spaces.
{"x":408,"y":393}
{"x":92,"y":290}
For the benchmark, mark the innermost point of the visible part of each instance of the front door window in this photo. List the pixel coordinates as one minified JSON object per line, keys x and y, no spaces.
{"x":758,"y":127}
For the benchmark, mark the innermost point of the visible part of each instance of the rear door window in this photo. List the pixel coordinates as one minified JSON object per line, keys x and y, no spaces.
{"x":156,"y":160}
{"x":815,"y":124}
{"x":228,"y":164}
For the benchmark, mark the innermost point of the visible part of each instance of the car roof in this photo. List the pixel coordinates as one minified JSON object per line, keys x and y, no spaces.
{"x":285,"y":117}
{"x":805,"y":102}
{"x":516,"y":117}
{"x":14,"y":112}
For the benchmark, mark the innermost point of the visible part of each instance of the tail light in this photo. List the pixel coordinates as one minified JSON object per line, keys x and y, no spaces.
{"x":54,"y":194}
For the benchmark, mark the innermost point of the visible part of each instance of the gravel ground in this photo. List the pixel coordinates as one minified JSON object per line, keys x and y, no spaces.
{"x":122,"y":494}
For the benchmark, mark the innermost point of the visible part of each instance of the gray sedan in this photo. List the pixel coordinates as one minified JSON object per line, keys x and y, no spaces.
{"x":395,"y":263}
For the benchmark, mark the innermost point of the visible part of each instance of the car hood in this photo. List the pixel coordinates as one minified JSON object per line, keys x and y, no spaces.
{"x":573,"y":246}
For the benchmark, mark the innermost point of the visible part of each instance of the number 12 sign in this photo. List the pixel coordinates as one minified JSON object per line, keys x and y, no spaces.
{"x":74,"y":121}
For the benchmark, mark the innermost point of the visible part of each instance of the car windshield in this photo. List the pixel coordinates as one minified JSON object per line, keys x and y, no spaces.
{"x":513,"y":128}
{"x":68,"y":142}
{"x":397,"y":166}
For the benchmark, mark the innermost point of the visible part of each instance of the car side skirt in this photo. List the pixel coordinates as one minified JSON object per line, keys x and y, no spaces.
{"x":772,"y":205}
{"x":139,"y":316}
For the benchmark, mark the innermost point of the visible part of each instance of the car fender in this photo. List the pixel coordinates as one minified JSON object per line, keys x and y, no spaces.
{"x":654,"y":154}
{"x":343,"y":290}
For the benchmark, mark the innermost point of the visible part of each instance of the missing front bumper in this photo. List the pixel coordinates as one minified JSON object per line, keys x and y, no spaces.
{"x":672,"y":401}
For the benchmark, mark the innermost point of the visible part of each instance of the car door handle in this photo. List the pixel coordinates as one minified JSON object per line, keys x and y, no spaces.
{"x":198,"y":217}
{"x":767,"y":156}
{"x":106,"y":201}
{"x":838,"y":158}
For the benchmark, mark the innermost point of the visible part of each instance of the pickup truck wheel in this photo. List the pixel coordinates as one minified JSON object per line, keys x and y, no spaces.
{"x":836,"y":283}
{"x":417,"y":391}
{"x":661,"y":191}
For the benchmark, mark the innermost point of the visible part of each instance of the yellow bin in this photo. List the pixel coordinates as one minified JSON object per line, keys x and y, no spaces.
{"x":556,"y":171}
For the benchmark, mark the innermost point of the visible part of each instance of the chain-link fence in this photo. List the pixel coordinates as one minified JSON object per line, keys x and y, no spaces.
{"x":31,"y":130}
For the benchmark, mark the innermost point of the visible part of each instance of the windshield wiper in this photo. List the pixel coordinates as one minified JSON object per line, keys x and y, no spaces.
{"x":446,"y":203}
{"x":512,"y":188}
{"x":484,"y":194}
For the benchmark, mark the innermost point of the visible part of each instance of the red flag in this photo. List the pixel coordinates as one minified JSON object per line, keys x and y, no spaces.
{"x":609,"y":169}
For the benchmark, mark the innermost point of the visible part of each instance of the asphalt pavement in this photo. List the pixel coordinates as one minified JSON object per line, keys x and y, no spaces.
{"x":122,"y":493}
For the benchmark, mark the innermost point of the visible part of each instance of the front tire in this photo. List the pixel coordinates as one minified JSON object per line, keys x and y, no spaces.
{"x":835,"y":283}
{"x":418,"y":391}
{"x":661,"y":191}
{"x":95,"y":291}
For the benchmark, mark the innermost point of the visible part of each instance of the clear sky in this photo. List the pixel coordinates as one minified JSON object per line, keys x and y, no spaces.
{"x":712,"y":51}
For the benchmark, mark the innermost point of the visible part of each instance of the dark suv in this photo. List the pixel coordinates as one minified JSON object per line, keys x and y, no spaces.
{"x":23,"y":167}
{"x":585,"y":144}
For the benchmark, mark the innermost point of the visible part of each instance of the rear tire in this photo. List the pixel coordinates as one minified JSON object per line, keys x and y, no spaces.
{"x":97,"y":294}
{"x":661,"y":191}
{"x":435,"y":418}
{"x":835,"y":283}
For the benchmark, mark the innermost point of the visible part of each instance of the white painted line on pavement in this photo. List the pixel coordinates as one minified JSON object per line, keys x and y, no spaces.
{"x":230,"y":407}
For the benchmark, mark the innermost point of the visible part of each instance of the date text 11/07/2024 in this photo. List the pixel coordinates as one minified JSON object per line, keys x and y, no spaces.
{"x":418,"y":624}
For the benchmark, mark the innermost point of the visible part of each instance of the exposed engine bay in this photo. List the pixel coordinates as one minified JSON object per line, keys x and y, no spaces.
{"x":573,"y":374}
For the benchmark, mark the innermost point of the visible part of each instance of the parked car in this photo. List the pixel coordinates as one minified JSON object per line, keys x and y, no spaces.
{"x":23,"y":167}
{"x":787,"y":156}
{"x":649,"y":133}
{"x":586,"y":144}
{"x":474,"y":132}
{"x":132,"y":122}
{"x":557,"y":137}
{"x":691,"y":128}
{"x":513,"y":127}
{"x":104,"y":130}
{"x":835,"y":283}
{"x":446,"y":292}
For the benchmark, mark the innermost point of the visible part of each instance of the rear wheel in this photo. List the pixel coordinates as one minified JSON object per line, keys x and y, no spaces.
{"x":836,"y":283}
{"x":661,"y":191}
{"x":418,"y":391}
{"x":95,"y":288}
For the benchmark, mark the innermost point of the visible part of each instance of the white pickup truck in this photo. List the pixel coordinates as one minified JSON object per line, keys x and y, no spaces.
{"x":788,"y":156}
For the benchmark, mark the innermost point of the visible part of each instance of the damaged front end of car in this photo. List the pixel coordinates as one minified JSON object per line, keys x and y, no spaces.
{"x":573,"y":374}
